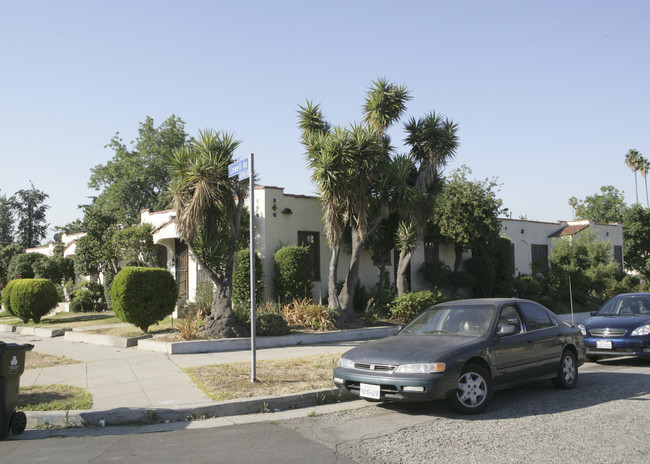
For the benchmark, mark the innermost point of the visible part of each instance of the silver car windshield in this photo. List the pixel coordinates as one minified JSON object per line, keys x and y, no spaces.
{"x":470,"y":321}
{"x":630,"y":305}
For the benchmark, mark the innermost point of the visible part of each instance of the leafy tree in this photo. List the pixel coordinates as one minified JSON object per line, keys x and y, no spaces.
{"x":466,"y":212}
{"x":585,"y":260}
{"x":29,"y":206}
{"x":6,"y":222}
{"x":73,"y":227}
{"x":95,"y":252}
{"x":607,"y":207}
{"x":134,"y":246}
{"x":349,"y":166}
{"x":209,"y":205}
{"x":6,"y":254}
{"x":636,"y":240}
{"x":137,"y":178}
{"x":56,"y":268}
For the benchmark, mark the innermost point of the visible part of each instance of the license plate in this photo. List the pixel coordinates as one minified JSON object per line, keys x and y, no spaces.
{"x":369,"y":391}
{"x":604,"y":344}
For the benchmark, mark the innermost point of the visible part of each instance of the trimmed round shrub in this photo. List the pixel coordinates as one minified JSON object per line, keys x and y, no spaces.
{"x":6,"y":297}
{"x":270,"y":324}
{"x":409,"y":305}
{"x":143,"y":296}
{"x":32,"y":298}
{"x":292,"y":280}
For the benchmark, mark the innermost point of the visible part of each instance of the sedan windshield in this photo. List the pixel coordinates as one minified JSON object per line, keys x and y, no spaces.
{"x":471,"y":321}
{"x":626,"y":306}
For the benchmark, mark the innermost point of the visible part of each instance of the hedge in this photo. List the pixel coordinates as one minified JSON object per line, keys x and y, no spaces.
{"x":31,"y":298}
{"x":292,"y":280}
{"x":409,"y":305}
{"x":143,"y":296}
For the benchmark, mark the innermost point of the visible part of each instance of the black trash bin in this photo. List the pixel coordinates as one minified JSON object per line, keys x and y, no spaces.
{"x":12,"y":365}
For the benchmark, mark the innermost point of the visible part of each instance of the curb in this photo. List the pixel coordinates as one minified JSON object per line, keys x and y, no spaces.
{"x":106,"y":340}
{"x":142,"y":416}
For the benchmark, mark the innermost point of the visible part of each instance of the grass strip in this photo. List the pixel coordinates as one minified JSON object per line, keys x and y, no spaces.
{"x":34,"y":360}
{"x":54,"y":398}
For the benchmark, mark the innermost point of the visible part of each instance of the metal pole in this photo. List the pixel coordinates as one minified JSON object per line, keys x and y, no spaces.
{"x":251,"y":167}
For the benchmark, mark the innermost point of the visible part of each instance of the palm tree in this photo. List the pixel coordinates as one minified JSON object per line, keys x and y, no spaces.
{"x":573,"y":202}
{"x":632,"y":161}
{"x":643,"y":169}
{"x":209,"y":207}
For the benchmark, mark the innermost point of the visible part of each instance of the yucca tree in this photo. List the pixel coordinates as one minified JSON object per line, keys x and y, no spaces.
{"x":209,"y":207}
{"x":433,"y":141}
{"x":348,"y":167}
{"x":643,"y":169}
{"x":632,"y":159}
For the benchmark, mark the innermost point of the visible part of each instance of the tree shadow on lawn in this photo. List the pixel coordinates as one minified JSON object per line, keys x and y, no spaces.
{"x":541,"y":398}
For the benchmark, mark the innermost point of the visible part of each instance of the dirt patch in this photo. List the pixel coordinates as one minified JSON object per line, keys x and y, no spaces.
{"x":35,"y":360}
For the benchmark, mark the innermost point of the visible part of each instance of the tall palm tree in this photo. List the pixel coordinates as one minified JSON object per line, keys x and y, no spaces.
{"x":573,"y":202}
{"x":643,"y":169}
{"x":209,"y":206}
{"x":632,"y":161}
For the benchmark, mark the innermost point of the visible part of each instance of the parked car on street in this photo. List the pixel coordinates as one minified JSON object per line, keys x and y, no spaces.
{"x":463,"y":351}
{"x":621,"y":327}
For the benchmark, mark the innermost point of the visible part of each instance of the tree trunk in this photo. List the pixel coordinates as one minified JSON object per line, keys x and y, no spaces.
{"x":346,"y":297}
{"x":221,"y":322}
{"x":401,"y":279}
{"x":332,"y":296}
{"x":459,"y":258}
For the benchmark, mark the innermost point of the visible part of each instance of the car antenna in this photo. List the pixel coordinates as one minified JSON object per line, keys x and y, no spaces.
{"x":573,"y":322}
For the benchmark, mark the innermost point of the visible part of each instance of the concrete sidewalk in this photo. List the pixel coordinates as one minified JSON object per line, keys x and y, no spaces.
{"x":130,"y":385}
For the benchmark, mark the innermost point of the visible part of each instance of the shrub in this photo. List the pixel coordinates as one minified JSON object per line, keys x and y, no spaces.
{"x":32,"y":298}
{"x":293,"y":270}
{"x":526,"y":286}
{"x":309,"y":315}
{"x":6,"y":297}
{"x":88,"y":297}
{"x":409,"y":305}
{"x":21,"y":265}
{"x":269,"y":324}
{"x":241,"y":280}
{"x":143,"y":296}
{"x":55,"y":268}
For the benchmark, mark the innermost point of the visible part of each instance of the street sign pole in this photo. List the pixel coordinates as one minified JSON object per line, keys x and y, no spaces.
{"x":244,"y":169}
{"x":252,"y":259}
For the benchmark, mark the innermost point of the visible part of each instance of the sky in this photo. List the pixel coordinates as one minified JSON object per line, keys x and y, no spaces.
{"x":549,"y":95}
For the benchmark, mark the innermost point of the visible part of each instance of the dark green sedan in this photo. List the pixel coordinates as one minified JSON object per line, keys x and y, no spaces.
{"x":463,"y":351}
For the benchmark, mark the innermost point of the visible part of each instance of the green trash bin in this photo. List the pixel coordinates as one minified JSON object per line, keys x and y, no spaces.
{"x":12,"y":365}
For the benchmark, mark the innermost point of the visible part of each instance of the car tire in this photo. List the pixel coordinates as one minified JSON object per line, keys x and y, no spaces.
{"x":567,"y":372}
{"x":474,"y":391}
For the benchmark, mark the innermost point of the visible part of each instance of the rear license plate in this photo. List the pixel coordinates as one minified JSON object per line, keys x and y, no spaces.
{"x":369,"y":391}
{"x":604,"y":344}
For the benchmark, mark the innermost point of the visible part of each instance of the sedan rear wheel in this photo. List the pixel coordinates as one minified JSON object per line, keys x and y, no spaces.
{"x":474,"y":392}
{"x":567,"y":373}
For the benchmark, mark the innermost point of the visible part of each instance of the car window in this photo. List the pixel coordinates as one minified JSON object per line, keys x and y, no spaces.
{"x":509,"y":316}
{"x":535,"y":317}
{"x":471,"y":321}
{"x":628,"y":305}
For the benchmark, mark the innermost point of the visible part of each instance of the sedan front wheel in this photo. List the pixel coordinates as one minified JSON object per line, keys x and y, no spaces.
{"x":474,"y":392}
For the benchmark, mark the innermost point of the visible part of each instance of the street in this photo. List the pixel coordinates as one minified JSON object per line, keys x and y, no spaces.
{"x":604,"y":420}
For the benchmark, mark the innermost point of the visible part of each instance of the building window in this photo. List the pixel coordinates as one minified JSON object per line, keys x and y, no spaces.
{"x":312,"y":241}
{"x":539,"y":254}
{"x":618,"y":255}
{"x":431,"y":250}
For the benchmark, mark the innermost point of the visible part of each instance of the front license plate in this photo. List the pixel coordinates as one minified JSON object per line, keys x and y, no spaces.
{"x":369,"y":391}
{"x":604,"y":344}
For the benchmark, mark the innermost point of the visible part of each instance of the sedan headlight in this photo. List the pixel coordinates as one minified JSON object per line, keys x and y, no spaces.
{"x":583,"y":329}
{"x":346,"y":363}
{"x":643,"y":330}
{"x":422,"y":368}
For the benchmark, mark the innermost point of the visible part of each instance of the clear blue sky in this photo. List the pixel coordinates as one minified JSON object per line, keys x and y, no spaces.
{"x":549,"y":95}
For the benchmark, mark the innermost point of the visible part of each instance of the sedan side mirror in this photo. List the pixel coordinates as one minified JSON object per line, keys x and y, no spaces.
{"x":506,"y":329}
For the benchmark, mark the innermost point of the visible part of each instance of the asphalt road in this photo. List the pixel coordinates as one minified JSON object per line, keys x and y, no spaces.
{"x":604,"y":420}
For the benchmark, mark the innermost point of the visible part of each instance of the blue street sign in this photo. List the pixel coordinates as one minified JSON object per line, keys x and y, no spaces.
{"x":240,"y":168}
